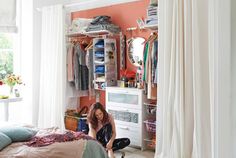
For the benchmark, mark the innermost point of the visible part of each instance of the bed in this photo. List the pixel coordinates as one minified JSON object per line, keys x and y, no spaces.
{"x":82,"y":148}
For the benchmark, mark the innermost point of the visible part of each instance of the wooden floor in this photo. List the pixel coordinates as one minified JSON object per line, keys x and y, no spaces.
{"x":135,"y":153}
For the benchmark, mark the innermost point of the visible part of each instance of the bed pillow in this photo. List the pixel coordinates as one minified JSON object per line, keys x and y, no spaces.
{"x":18,"y":134}
{"x":4,"y":140}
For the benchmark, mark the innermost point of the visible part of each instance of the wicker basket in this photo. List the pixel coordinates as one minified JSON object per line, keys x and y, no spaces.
{"x":151,"y":144}
{"x":71,"y":122}
{"x":76,"y":123}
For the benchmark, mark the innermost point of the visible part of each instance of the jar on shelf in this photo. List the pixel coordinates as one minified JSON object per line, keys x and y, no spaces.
{"x":131,"y":83}
{"x":124,"y":82}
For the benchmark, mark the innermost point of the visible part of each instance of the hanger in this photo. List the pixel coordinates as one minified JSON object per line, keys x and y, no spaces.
{"x":78,"y":39}
{"x":74,"y":40}
{"x":153,"y":36}
{"x":84,"y":43}
{"x":89,"y":45}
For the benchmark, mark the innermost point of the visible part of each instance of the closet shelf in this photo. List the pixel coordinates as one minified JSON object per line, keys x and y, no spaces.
{"x":148,"y":140}
{"x":99,"y":62}
{"x":99,"y":33}
{"x":151,"y":27}
{"x":100,"y":80}
{"x":76,"y":34}
{"x":150,"y":104}
{"x":91,"y":34}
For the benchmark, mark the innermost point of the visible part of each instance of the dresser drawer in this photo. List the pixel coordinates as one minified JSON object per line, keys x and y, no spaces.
{"x":131,"y":117}
{"x":134,"y":134}
{"x":123,"y":97}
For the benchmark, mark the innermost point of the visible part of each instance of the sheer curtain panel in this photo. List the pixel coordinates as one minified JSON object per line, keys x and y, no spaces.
{"x":194,"y":81}
{"x":52,"y":68}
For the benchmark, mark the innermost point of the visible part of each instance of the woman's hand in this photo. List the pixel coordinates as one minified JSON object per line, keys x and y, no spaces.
{"x":109,"y":145}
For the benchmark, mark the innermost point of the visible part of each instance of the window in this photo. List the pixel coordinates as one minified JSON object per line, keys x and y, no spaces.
{"x":8,"y":43}
{"x":6,"y":54}
{"x":16,"y":57}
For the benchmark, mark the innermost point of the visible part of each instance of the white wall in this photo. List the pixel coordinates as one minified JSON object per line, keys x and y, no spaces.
{"x":233,"y":70}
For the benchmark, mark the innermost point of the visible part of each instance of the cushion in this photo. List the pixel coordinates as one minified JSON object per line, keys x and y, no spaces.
{"x":18,"y":134}
{"x":4,"y":140}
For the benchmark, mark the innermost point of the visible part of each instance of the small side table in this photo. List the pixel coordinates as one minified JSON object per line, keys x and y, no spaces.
{"x":6,"y":105}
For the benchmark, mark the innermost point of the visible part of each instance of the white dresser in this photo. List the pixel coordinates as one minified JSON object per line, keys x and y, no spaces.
{"x":126,"y":106}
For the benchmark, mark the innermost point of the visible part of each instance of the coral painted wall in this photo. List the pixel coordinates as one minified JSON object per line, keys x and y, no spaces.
{"x":125,"y":16}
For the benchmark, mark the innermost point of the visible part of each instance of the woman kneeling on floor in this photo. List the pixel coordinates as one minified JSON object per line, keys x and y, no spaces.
{"x":102,"y":127}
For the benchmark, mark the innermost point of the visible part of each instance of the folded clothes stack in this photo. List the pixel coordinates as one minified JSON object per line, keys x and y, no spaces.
{"x":103,"y":23}
{"x":100,"y":69}
{"x":152,"y":14}
{"x":79,"y":25}
{"x":99,"y":54}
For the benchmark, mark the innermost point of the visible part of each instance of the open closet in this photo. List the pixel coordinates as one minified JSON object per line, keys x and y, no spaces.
{"x":117,"y":62}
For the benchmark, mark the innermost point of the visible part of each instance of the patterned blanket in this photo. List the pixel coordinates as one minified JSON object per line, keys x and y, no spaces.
{"x":38,"y":141}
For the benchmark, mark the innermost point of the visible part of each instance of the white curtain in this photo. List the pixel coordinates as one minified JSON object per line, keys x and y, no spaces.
{"x":22,"y":111}
{"x":52,"y":68}
{"x":188,"y":88}
{"x":8,"y":16}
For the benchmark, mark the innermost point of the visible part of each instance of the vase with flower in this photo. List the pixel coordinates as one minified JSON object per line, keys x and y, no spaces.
{"x":11,"y":80}
{"x":126,"y":76}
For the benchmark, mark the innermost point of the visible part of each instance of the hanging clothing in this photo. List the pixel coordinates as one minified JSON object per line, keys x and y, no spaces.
{"x":154,"y":61}
{"x":76,"y":68}
{"x":89,"y":64}
{"x":70,"y":62}
{"x":150,"y":67}
{"x":80,"y":68}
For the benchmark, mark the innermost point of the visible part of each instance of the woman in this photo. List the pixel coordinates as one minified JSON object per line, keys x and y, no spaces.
{"x":102,"y":127}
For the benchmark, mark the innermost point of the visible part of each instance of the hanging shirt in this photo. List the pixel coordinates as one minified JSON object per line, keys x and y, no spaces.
{"x":70,"y":62}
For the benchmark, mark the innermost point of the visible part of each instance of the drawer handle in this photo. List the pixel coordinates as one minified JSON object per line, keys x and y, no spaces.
{"x":125,"y":128}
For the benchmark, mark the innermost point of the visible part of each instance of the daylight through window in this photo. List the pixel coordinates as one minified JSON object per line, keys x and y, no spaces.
{"x":6,"y":54}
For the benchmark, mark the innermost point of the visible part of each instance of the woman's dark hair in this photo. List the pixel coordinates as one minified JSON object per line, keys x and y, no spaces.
{"x":91,"y":115}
